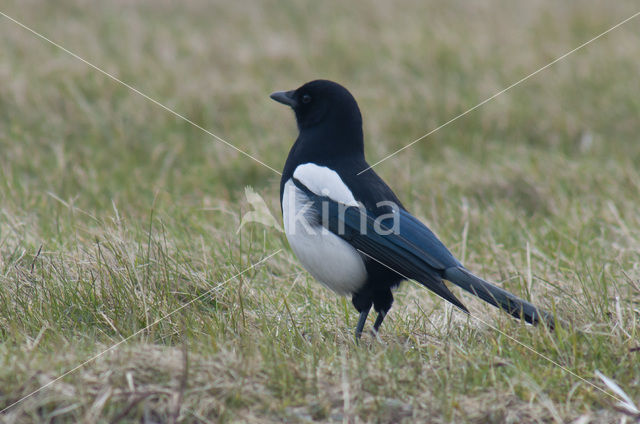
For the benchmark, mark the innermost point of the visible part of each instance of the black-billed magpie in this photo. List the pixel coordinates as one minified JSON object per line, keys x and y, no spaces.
{"x":349,"y":230}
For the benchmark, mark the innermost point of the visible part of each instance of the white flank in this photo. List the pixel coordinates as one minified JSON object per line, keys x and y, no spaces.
{"x":328,"y":258}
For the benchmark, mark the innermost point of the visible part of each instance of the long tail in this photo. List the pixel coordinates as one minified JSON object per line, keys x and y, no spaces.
{"x":498,"y":297}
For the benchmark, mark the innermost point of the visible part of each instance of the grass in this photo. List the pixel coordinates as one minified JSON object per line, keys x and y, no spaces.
{"x":114,"y":213}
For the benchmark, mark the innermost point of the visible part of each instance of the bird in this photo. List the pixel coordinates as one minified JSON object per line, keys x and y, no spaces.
{"x":349,"y":229}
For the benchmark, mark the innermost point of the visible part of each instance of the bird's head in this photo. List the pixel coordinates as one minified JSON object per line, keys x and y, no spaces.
{"x":322,"y":103}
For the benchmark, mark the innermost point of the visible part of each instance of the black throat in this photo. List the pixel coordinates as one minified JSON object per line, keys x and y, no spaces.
{"x":327,"y":144}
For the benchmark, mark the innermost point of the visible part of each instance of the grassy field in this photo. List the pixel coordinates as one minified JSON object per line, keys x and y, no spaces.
{"x":115,"y":213}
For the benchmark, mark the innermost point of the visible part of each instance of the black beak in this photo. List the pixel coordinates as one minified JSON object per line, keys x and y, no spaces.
{"x":285,"y":97}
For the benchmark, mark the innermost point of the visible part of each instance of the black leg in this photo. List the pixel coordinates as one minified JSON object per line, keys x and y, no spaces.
{"x":379,"y":319}
{"x":362,"y":321}
{"x":382,"y":302}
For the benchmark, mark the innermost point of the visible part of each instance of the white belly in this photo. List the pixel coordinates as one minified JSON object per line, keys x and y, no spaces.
{"x":331,"y":260}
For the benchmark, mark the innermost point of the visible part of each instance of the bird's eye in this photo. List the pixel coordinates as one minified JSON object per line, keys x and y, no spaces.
{"x":306,"y":98}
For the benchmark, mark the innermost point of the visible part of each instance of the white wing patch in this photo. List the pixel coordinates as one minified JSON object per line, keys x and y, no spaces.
{"x":324,"y":182}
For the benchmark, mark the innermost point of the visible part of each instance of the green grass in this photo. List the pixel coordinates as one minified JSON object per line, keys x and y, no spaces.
{"x":135,"y":211}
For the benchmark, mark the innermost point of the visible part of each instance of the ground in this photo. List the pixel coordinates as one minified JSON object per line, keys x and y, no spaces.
{"x":114,"y":212}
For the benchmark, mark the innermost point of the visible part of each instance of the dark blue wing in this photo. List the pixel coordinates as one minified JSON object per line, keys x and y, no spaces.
{"x":409,"y":248}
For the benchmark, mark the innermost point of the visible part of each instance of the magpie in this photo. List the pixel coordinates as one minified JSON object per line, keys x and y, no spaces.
{"x":347,"y":227}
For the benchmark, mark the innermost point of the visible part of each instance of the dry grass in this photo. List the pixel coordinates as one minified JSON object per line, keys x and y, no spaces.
{"x":114,"y":213}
